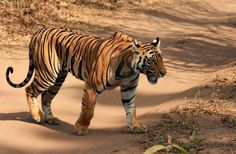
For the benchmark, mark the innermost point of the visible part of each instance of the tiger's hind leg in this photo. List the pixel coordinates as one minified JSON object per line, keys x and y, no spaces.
{"x":31,"y":94}
{"x":40,"y":84}
{"x":48,"y":96}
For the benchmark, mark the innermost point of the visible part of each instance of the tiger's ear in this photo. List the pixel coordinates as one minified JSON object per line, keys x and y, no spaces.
{"x":135,"y":43}
{"x":135,"y":46}
{"x":156,"y":42}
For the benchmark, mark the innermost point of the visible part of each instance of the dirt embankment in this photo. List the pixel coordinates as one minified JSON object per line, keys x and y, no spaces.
{"x":205,"y":122}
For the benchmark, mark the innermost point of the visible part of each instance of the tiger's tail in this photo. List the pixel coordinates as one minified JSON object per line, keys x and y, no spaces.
{"x":29,"y":75}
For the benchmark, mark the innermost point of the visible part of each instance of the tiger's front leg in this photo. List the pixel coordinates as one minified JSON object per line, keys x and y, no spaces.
{"x":128,"y":94}
{"x":88,"y":104}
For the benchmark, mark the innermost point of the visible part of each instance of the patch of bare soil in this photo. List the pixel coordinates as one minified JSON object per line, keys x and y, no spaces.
{"x":205,"y":123}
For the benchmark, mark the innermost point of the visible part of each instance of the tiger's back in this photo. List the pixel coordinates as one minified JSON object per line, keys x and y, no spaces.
{"x":73,"y":52}
{"x":63,"y":49}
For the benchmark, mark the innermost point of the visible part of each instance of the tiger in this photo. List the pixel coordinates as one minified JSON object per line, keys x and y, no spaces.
{"x":102,"y":64}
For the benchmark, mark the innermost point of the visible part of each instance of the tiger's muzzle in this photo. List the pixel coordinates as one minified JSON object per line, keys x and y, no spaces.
{"x":153,"y":77}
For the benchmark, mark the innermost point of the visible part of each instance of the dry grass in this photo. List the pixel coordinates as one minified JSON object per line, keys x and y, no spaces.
{"x":215,"y":98}
{"x":178,"y":128}
{"x":24,"y":17}
{"x":211,"y":114}
{"x":20,"y":19}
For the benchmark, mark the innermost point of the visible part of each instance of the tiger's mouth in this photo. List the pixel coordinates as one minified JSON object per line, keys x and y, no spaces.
{"x":152,"y":77}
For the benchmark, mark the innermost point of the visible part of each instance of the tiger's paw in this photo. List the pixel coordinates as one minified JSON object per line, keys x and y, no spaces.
{"x":52,"y":120}
{"x":38,"y":116}
{"x":138,"y":129}
{"x":80,"y":129}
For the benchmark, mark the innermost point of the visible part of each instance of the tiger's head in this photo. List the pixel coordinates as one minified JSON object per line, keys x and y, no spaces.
{"x":149,"y":60}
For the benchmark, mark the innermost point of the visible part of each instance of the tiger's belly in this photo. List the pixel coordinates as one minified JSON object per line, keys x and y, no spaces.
{"x":126,"y":81}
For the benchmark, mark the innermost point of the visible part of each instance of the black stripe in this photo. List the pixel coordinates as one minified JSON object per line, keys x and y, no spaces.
{"x":97,"y":91}
{"x":127,"y":102}
{"x":44,"y":66}
{"x":144,"y":63}
{"x":139,"y":60}
{"x":60,"y":79}
{"x":129,"y":46}
{"x":74,"y":53}
{"x":72,"y":62}
{"x":52,"y":92}
{"x":118,"y":70}
{"x":84,"y":104}
{"x":80,"y":57}
{"x":50,"y":51}
{"x":108,"y":84}
{"x":135,"y":78}
{"x":86,"y":50}
{"x":43,"y":84}
{"x":63,"y":42}
{"x":58,"y":44}
{"x":146,"y":46}
{"x":103,"y":84}
{"x":86,"y":55}
{"x":70,"y":40}
{"x":80,"y":71}
{"x":52,"y":64}
{"x":35,"y":87}
{"x":78,"y":51}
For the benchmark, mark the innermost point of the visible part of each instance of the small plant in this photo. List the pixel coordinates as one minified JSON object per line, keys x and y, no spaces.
{"x":167,"y":148}
{"x":196,"y":137}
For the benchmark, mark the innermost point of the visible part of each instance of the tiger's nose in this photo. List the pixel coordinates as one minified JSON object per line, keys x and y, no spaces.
{"x":163,"y":74}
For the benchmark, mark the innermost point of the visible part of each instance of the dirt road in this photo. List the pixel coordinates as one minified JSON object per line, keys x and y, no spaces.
{"x":198,"y":37}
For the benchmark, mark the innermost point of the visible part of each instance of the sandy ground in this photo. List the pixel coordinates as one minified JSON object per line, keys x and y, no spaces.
{"x":198,"y":38}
